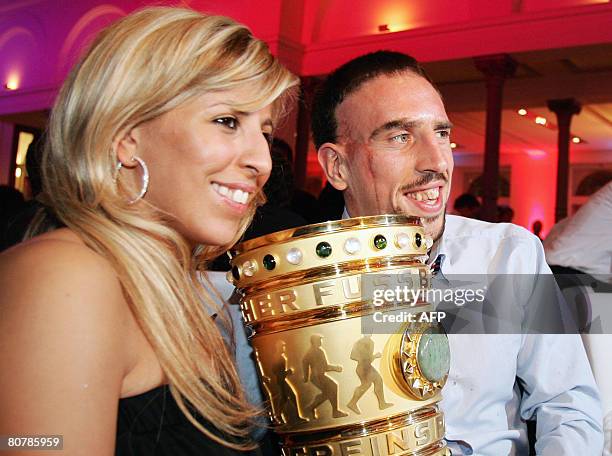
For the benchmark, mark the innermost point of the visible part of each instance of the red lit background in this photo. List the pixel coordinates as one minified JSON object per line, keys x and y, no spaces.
{"x":563,"y":48}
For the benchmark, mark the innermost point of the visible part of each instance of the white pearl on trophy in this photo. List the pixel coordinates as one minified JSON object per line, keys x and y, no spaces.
{"x":402,"y":240}
{"x":249,"y":267}
{"x":352,"y":246}
{"x":294,"y":256}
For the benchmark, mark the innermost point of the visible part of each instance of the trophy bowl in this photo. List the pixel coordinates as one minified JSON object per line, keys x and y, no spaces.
{"x":349,"y":361}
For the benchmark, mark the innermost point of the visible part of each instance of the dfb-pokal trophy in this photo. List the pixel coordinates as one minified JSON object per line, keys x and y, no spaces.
{"x":344,"y":372}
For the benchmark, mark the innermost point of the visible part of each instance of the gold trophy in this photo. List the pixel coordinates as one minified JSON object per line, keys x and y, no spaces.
{"x":333,"y":387}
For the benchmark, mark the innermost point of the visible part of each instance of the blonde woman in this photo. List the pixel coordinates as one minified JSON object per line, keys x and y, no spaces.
{"x":157,"y":151}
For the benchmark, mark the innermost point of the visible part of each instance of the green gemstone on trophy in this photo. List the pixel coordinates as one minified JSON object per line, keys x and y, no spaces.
{"x":269,"y":262}
{"x":433,"y":355}
{"x":418,"y":239}
{"x":324,"y":249}
{"x":380,"y":242}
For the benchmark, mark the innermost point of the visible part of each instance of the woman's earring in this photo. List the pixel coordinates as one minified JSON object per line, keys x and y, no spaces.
{"x":145,"y":178}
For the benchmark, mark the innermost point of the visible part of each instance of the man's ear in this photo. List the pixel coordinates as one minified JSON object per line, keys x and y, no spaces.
{"x":332,"y":161}
{"x":126,"y":148}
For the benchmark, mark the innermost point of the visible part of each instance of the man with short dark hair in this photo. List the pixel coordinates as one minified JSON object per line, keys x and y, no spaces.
{"x":383,"y":138}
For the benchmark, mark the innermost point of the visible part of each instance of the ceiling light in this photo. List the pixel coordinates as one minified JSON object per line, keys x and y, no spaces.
{"x":536,"y":153}
{"x":12,"y":83}
{"x":522,"y":112}
{"x":453,"y":145}
{"x":540,"y":120}
{"x":576,"y":140}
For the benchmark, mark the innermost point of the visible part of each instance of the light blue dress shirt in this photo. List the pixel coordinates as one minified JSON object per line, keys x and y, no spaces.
{"x":244,"y":358}
{"x":484,"y":407}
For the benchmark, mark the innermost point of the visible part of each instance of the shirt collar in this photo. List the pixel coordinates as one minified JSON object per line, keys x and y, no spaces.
{"x":437,"y":249}
{"x":345,"y":214}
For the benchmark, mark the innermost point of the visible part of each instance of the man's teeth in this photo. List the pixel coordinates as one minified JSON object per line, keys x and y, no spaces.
{"x":237,"y":195}
{"x":431,"y":194}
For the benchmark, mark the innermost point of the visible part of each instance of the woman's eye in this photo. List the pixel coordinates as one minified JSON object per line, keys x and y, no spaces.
{"x":229,"y":122}
{"x":445,"y":134}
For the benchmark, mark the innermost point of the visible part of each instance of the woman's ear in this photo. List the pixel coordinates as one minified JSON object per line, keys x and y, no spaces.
{"x":126,"y":147}
{"x":332,"y":161}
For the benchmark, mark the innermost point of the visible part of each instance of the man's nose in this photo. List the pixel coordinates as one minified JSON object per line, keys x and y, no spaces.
{"x":433,"y":154}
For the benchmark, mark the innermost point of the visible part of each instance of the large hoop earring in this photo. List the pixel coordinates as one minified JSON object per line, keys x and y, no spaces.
{"x":145,"y":178}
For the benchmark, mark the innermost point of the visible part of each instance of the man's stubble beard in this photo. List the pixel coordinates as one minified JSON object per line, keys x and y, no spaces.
{"x":438,"y":234}
{"x":427,"y":221}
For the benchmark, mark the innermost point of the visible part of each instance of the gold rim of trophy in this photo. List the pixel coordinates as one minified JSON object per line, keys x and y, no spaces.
{"x":302,"y":250}
{"x":332,"y":226}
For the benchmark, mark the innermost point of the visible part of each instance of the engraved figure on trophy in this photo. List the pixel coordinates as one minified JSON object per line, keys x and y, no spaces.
{"x":315,"y":367}
{"x":363,"y":353}
{"x":266,"y":382}
{"x":286,"y":406}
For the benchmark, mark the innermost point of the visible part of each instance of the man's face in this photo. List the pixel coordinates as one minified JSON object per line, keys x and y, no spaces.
{"x":394,"y":150}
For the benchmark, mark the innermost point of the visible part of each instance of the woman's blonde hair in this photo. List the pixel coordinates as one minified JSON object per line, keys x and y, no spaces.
{"x":137,"y":69}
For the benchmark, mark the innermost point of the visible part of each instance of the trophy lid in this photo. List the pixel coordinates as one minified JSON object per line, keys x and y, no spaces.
{"x":331,"y":226}
{"x":362,"y":243}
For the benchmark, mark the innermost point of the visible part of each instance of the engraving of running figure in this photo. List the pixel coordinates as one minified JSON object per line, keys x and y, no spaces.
{"x":286,"y":402}
{"x":363,"y":353}
{"x":266,"y":382}
{"x":315,"y":366}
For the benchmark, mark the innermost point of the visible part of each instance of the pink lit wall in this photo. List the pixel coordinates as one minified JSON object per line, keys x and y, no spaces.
{"x":533,"y":188}
{"x":445,"y":30}
{"x":533,"y":181}
{"x":41,"y":40}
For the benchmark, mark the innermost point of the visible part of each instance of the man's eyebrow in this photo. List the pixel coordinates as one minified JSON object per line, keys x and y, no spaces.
{"x":394,"y":125}
{"x":445,"y":125}
{"x":405,"y":124}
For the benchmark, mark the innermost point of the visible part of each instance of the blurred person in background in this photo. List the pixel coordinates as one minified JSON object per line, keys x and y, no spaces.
{"x":467,"y":205}
{"x":583,"y":242}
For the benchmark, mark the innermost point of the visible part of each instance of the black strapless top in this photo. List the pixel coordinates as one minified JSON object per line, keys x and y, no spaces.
{"x":151,"y":424}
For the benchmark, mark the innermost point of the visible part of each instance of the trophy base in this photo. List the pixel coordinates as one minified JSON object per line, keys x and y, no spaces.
{"x":419,"y":433}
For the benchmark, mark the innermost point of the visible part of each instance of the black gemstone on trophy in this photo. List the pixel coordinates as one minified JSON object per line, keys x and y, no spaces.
{"x":418,"y":239}
{"x":269,"y":262}
{"x":380,"y":242}
{"x":324,"y":249}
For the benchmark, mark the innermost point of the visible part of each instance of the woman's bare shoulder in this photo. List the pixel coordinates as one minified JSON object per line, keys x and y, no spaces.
{"x":64,"y":329}
{"x":58,"y":276}
{"x":58,"y":253}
